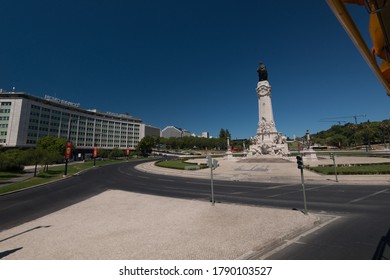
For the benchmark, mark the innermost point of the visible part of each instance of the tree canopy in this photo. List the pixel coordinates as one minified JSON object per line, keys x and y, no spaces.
{"x":352,"y":135}
{"x":224,"y":133}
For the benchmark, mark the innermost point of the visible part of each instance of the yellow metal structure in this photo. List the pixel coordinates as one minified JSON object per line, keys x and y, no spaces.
{"x":379,"y":14}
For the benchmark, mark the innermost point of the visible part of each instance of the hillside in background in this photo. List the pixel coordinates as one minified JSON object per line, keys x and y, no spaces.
{"x":354,"y":135}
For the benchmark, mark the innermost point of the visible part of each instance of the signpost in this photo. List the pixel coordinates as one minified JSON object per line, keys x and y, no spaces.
{"x":333,"y":157}
{"x":213,"y":164}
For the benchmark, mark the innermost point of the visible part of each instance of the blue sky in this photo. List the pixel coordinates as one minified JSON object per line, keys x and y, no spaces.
{"x":191,"y":63}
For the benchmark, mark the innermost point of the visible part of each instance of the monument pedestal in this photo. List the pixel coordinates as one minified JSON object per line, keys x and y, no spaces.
{"x":309,"y":155}
{"x":229,"y":155}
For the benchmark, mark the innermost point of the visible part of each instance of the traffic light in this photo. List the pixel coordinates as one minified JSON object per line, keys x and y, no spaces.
{"x":215,"y":163}
{"x":299,"y":162}
{"x":331,"y":156}
{"x":209,"y":161}
{"x":212,"y":163}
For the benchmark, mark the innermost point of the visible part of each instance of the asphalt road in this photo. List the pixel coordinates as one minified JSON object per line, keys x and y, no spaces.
{"x":364,"y":211}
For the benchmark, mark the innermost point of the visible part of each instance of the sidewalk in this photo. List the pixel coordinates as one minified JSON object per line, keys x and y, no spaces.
{"x":29,"y":173}
{"x":124,"y":225}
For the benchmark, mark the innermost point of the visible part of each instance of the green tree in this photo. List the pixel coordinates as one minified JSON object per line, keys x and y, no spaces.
{"x":224,"y":133}
{"x":103,"y":153}
{"x":12,"y":160}
{"x":52,"y":144}
{"x":35,"y":156}
{"x":54,"y":149}
{"x":116,"y":153}
{"x":385,"y":129}
{"x":366,"y":133}
{"x":146,"y":145}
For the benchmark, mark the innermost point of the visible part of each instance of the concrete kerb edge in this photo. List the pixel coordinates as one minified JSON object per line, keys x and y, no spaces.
{"x":44,"y":184}
{"x":57,"y":180}
{"x":261,"y":251}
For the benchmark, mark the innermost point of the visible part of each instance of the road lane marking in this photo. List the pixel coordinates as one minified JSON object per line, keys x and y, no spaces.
{"x":297,"y":190}
{"x":280,"y":194}
{"x":166,"y":180}
{"x":197,"y":183}
{"x":368,"y":196}
{"x":280,"y":186}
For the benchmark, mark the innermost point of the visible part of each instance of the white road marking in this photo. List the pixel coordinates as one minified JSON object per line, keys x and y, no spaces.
{"x":367,"y":196}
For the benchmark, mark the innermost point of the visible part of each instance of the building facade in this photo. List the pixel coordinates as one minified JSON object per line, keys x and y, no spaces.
{"x":152,"y":131}
{"x":173,"y":131}
{"x":25,"y":118}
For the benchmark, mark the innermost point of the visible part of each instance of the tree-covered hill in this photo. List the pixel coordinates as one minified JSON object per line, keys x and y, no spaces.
{"x":354,"y":135}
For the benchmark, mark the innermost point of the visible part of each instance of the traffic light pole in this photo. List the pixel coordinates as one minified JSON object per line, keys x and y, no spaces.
{"x":301,"y":167}
{"x":304,"y":192}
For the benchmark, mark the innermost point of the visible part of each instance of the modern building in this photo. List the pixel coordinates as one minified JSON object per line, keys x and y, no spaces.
{"x":25,"y":118}
{"x":152,"y":131}
{"x":173,"y":131}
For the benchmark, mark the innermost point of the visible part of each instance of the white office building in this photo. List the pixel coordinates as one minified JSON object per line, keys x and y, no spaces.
{"x":25,"y":118}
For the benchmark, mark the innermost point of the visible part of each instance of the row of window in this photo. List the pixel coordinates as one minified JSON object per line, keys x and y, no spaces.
{"x":6,"y":103}
{"x":75,"y":117}
{"x":90,"y":143}
{"x":84,"y":130}
{"x":6,"y":111}
{"x":90,"y":127}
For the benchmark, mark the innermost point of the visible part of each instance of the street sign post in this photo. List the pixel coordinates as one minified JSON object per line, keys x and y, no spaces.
{"x":333,"y":157}
{"x":213,"y":164}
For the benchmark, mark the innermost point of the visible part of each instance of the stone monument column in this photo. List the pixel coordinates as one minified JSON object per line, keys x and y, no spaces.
{"x":266,"y":125}
{"x":268,"y":141}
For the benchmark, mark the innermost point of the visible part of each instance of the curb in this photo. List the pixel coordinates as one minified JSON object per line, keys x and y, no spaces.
{"x":273,"y":246}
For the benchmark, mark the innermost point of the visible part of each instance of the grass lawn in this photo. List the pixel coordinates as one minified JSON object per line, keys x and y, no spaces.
{"x":178,"y":164}
{"x":363,"y":169}
{"x":53,"y":174}
{"x":5,"y":176}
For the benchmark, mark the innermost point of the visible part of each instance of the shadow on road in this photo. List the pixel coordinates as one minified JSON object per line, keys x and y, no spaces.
{"x":383,"y":250}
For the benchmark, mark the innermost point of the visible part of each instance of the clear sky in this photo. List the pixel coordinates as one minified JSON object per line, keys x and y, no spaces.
{"x":191,"y":63}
